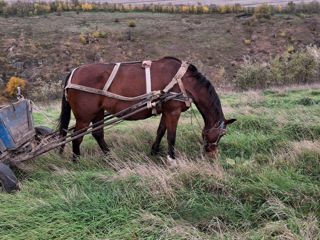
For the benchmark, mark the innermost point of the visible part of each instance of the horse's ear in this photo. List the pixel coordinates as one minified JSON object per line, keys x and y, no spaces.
{"x":229,"y":121}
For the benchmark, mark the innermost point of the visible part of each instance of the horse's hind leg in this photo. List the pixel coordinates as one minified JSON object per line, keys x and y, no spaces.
{"x":99,"y":134}
{"x":160,"y":133}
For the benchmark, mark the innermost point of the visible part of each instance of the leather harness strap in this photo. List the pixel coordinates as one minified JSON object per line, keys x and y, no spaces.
{"x":68,"y":84}
{"x":147,"y":66}
{"x":178,"y":79}
{"x":111,"y":77}
{"x":149,"y":93}
{"x":182,"y":71}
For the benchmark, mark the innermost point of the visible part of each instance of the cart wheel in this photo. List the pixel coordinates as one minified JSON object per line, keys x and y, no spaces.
{"x":43,"y":131}
{"x":8,"y":181}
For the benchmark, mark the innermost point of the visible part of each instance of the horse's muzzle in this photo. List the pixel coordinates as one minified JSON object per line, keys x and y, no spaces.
{"x":212,"y":152}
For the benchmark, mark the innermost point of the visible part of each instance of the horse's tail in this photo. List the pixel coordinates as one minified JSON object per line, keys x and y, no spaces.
{"x":65,"y":115}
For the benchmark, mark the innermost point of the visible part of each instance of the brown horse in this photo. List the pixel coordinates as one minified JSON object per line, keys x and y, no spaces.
{"x":130,"y":82}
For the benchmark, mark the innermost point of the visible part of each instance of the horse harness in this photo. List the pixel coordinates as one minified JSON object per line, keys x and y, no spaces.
{"x":150,"y":95}
{"x":221,"y":132}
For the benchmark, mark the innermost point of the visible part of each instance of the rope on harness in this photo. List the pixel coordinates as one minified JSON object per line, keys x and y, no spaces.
{"x":199,"y":125}
{"x":49,"y":117}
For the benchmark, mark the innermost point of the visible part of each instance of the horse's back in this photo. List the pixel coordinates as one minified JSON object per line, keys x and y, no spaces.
{"x":130,"y":80}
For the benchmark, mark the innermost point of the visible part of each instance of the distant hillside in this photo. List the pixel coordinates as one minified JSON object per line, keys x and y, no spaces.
{"x":44,"y":49}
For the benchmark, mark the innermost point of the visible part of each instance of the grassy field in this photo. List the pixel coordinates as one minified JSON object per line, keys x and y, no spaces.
{"x":263,"y":185}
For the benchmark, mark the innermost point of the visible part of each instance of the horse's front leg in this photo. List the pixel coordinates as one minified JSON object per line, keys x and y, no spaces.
{"x":99,"y":134}
{"x":76,"y":142}
{"x":160,"y":133}
{"x":171,"y":120}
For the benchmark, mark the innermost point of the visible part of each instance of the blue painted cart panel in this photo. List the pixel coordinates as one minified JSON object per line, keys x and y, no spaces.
{"x":16,"y":125}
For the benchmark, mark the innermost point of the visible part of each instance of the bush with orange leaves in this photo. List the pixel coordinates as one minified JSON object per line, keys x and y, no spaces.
{"x":13,"y":83}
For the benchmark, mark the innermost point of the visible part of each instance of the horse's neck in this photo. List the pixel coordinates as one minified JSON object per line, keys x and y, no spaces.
{"x":212,"y":114}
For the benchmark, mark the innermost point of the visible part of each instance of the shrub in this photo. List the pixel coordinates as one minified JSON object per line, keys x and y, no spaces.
{"x":46,"y":91}
{"x":3,"y":5}
{"x":205,"y":9}
{"x":132,"y":23}
{"x":302,"y":15}
{"x":195,"y":9}
{"x":293,"y":68}
{"x":263,"y":11}
{"x":103,"y":34}
{"x":59,"y":8}
{"x":13,"y":83}
{"x":283,"y":34}
{"x":223,"y":9}
{"x":311,"y":7}
{"x":290,"y":49}
{"x":247,"y":41}
{"x":41,"y":8}
{"x":83,"y":39}
{"x":279,"y":9}
{"x":291,"y":7}
{"x":86,"y":7}
{"x":253,"y":21}
{"x":185,"y":9}
{"x":229,"y":8}
{"x":164,"y":8}
{"x":252,"y":75}
{"x":18,"y":8}
{"x":95,"y":34}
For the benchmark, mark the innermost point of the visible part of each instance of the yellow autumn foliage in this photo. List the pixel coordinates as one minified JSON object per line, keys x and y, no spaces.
{"x":185,"y":9}
{"x":86,"y":7}
{"x":205,"y":9}
{"x":164,"y":8}
{"x":60,"y":7}
{"x":83,"y":38}
{"x":247,"y":41}
{"x":13,"y":83}
{"x":195,"y":9}
{"x":95,"y":34}
{"x":223,"y":9}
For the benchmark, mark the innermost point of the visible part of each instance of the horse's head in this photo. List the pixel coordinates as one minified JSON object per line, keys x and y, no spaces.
{"x":212,"y":136}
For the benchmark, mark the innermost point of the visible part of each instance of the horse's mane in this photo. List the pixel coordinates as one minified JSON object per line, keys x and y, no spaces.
{"x":174,"y":58}
{"x":203,"y":82}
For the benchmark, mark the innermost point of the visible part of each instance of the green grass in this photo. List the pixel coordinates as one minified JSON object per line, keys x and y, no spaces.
{"x":263,"y":185}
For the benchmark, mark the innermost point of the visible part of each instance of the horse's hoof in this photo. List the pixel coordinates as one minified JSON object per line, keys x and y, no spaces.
{"x":154,"y":152}
{"x":172,"y":163}
{"x":75,"y":159}
{"x":106,"y":151}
